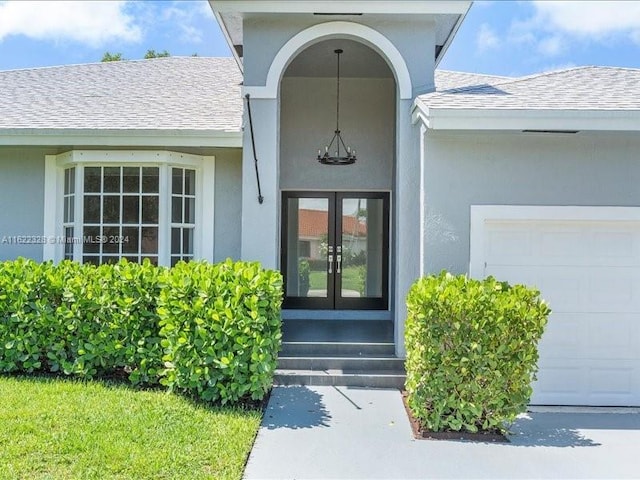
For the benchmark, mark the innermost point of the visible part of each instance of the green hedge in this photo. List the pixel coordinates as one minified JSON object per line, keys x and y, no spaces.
{"x":471,"y":351}
{"x":208,"y":330}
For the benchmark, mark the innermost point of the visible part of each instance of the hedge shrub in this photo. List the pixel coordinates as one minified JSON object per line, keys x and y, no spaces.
{"x":150,"y":324}
{"x":471,"y":351}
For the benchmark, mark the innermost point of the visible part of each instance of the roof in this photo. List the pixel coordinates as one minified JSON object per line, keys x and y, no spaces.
{"x":580,"y":88}
{"x":446,"y":15}
{"x":581,"y":98}
{"x":448,"y":80}
{"x":313,"y":224}
{"x":198,"y":94}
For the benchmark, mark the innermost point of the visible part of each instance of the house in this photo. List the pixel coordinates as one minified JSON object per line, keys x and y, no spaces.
{"x":531,"y":179}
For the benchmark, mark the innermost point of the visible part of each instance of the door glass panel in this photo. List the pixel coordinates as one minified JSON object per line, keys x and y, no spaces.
{"x":362,"y":245}
{"x":307,"y":255}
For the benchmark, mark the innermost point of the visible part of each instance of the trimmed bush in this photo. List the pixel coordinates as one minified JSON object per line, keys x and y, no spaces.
{"x":220,"y":329}
{"x":471,"y":351}
{"x":144,"y":323}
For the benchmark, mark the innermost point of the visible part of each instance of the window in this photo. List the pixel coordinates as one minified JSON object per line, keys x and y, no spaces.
{"x":183,"y":213}
{"x":120,"y":214}
{"x":135,"y":205}
{"x":68,"y":214}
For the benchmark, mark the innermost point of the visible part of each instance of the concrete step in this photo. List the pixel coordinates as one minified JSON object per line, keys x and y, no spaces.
{"x":350,"y":349}
{"x":339,"y":377}
{"x":386,"y":364}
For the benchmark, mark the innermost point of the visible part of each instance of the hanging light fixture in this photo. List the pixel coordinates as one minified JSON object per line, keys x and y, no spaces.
{"x":341,"y":154}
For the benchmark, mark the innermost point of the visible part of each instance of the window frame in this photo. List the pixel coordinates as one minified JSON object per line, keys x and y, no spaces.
{"x":57,"y":165}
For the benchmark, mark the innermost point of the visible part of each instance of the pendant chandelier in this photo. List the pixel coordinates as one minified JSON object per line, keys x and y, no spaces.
{"x":337,"y":152}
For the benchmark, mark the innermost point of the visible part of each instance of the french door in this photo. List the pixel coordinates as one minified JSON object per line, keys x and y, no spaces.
{"x":335,"y":250}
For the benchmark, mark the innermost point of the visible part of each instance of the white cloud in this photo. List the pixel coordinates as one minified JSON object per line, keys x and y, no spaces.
{"x":551,"y":46}
{"x":594,"y":18}
{"x":183,"y":15}
{"x":486,"y":39}
{"x":95,"y":23}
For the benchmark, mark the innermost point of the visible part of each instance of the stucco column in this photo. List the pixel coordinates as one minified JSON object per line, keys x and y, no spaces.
{"x":260,"y":233}
{"x":407,"y":216}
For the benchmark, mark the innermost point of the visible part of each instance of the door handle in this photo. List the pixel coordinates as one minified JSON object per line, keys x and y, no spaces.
{"x":330,"y":264}
{"x":338,"y":263}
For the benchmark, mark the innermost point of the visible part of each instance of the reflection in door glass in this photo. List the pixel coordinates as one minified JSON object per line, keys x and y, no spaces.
{"x":307,"y":231}
{"x":362,"y":258}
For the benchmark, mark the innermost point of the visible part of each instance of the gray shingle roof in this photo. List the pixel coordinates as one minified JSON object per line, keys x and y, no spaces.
{"x":581,"y":88}
{"x":448,"y":80}
{"x":174,"y":93}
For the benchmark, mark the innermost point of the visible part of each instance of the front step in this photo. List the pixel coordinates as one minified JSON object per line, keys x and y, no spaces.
{"x":327,"y":349}
{"x":385,"y":364}
{"x":357,"y":353}
{"x":340,"y":378}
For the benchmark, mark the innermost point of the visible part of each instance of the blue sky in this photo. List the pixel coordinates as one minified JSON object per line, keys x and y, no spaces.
{"x":499,"y":37}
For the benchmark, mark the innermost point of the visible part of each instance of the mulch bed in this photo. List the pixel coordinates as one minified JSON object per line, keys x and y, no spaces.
{"x":422,"y":434}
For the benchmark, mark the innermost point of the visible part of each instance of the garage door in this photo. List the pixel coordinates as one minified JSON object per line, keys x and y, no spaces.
{"x":586,"y":263}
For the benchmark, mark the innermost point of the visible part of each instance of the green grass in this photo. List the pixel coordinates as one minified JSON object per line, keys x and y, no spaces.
{"x":350,"y":279}
{"x":63,"y":429}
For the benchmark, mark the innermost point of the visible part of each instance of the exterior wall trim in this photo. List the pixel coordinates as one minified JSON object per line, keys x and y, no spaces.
{"x":350,"y":6}
{"x":524,"y":119}
{"x":295,"y":45}
{"x":483,"y":214}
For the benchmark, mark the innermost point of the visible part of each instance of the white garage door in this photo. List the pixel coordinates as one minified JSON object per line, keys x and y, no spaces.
{"x":586,"y":263}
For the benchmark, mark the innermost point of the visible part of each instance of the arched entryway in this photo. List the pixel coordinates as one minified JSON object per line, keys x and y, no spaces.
{"x":335,"y":220}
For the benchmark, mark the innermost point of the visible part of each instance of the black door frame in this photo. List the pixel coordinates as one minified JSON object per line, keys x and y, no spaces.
{"x":333,"y":300}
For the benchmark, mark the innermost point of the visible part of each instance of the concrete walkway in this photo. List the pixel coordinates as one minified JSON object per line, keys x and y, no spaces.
{"x":351,"y":433}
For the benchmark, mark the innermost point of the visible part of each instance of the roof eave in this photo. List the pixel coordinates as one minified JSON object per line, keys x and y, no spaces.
{"x":227,"y":36}
{"x":114,"y":137}
{"x":452,"y":35}
{"x":443,"y":119}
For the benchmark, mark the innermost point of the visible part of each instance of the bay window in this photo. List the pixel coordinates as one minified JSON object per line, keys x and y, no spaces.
{"x":135,"y":205}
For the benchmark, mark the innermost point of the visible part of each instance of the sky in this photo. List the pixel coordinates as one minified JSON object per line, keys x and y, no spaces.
{"x":497,"y":37}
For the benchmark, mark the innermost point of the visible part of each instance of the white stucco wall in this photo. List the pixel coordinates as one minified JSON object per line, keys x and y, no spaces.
{"x":21,"y":200}
{"x":413,"y":37}
{"x":464,"y":169}
{"x":308,"y":121}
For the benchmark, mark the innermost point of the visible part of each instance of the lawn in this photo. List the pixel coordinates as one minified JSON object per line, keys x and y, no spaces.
{"x":351,"y":279}
{"x":63,"y":429}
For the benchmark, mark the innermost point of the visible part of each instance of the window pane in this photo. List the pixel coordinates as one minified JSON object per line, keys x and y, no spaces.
{"x":72,"y":180}
{"x":133,"y":259}
{"x":67,"y":201}
{"x":187,"y":241}
{"x":91,"y":209}
{"x":190,"y":182}
{"x":110,"y":260}
{"x":175,"y":240}
{"x":150,"y":209}
{"x":153,"y":260}
{"x":176,"y":210}
{"x":91,"y":239}
{"x":189,"y":210}
{"x":68,"y":243}
{"x":176,"y":181}
{"x":92,"y":179}
{"x":130,"y":239}
{"x":111,"y":209}
{"x":131,"y":179}
{"x":67,"y":186}
{"x":150,"y":179}
{"x":174,"y":260}
{"x":72,"y":207}
{"x":130,"y":209}
{"x":150,"y":240}
{"x":91,"y":259}
{"x":112,"y":179}
{"x":111,"y":240}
